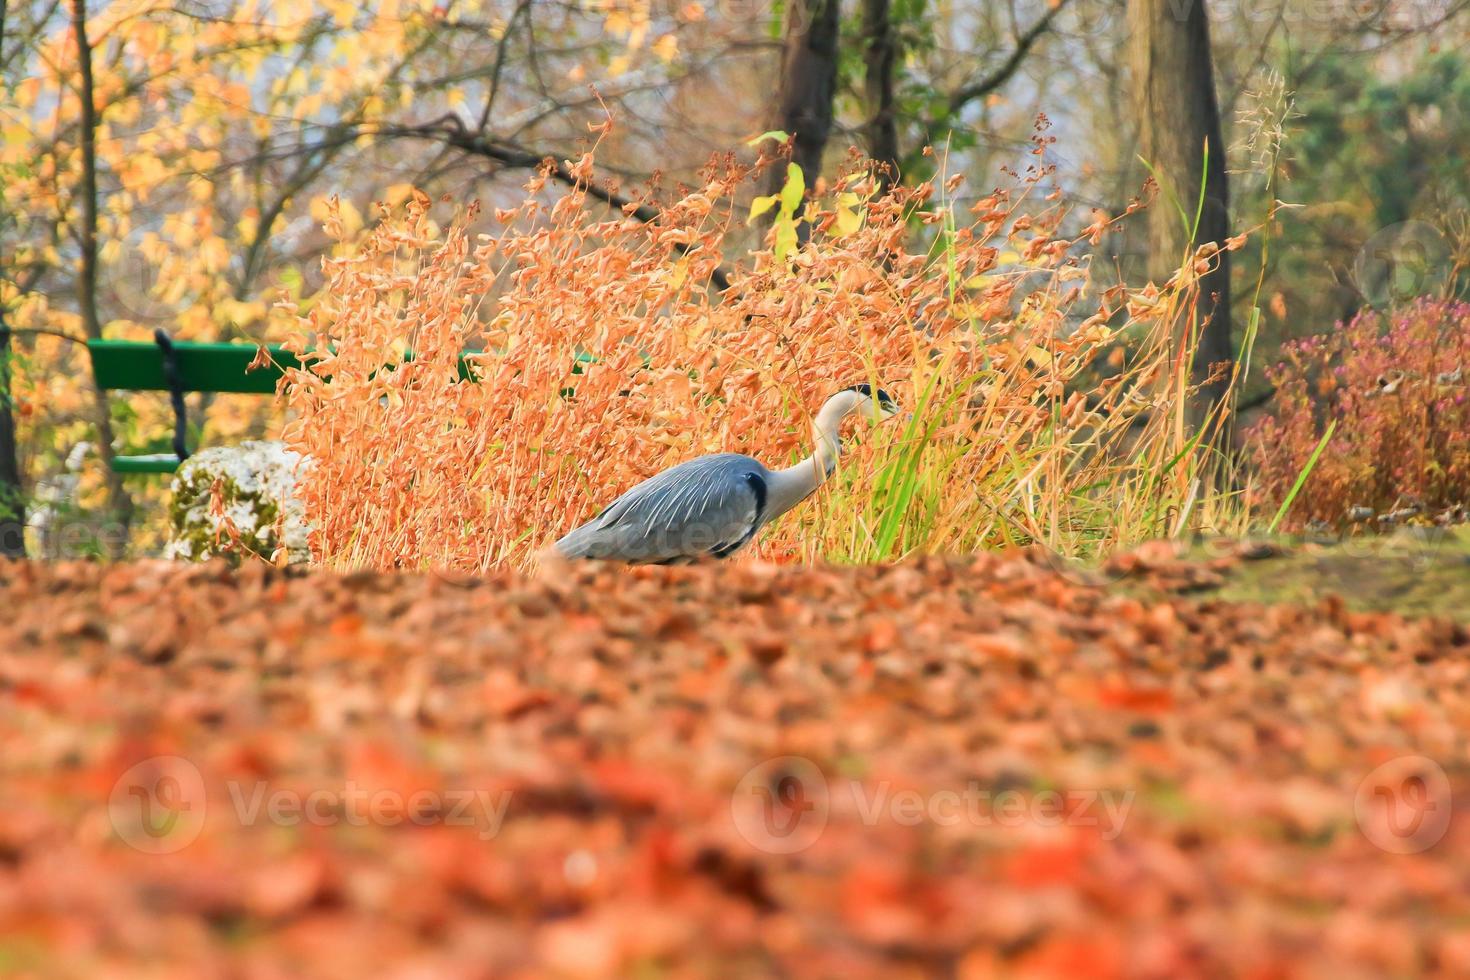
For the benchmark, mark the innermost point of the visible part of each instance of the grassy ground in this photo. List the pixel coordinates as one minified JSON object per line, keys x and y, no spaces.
{"x":1416,"y":572}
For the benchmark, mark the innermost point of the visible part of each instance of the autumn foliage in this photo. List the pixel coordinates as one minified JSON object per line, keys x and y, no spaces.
{"x":1394,"y":390}
{"x":604,"y":356}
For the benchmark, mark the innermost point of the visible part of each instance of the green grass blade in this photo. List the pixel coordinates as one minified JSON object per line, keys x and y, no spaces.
{"x":1301,"y":479}
{"x":1199,"y":208}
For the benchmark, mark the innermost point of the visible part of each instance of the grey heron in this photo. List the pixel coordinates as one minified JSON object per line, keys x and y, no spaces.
{"x":712,"y":506}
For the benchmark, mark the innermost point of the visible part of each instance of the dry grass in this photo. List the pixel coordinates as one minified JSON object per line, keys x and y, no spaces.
{"x":607,"y":357}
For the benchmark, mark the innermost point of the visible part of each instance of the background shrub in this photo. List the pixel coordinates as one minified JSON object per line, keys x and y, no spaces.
{"x":1396,"y":388}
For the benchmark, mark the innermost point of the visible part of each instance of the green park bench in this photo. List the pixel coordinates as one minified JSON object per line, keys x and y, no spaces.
{"x":178,"y":367}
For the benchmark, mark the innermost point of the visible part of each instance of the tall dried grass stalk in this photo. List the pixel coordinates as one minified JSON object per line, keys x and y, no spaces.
{"x":605,"y":356}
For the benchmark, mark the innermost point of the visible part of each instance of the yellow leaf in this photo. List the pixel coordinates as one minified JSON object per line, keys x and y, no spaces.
{"x":617,"y":22}
{"x":342,"y":11}
{"x":849,"y":220}
{"x":351,"y":217}
{"x":247,"y":226}
{"x":666,"y":47}
{"x":320,"y":208}
{"x":214,"y":254}
{"x":396,"y":194}
{"x":760,"y":206}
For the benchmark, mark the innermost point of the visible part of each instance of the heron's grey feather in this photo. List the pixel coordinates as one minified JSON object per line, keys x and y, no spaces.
{"x":714,"y":505}
{"x":706,"y":506}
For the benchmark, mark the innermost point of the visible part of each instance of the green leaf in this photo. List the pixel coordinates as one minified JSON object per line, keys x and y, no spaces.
{"x":785,"y":240}
{"x":780,"y":136}
{"x":792,"y":192}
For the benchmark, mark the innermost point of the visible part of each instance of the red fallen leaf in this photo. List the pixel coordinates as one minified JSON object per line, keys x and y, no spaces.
{"x":284,"y":887}
{"x":637,"y":786}
{"x":766,"y":647}
{"x":583,"y":624}
{"x":34,"y":692}
{"x":508,"y":698}
{"x":587,"y":946}
{"x":880,"y":908}
{"x":1097,"y":956}
{"x":996,"y":645}
{"x":1048,"y":864}
{"x":981,"y":963}
{"x":882,"y":635}
{"x":346,"y":625}
{"x":695,"y":684}
{"x":385,"y":786}
{"x":1454,"y":952}
{"x":1152,"y":554}
{"x":1145,"y":700}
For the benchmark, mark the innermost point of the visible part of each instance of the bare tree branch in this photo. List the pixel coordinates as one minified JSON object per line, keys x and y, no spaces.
{"x":450,"y":130}
{"x":980,"y":88}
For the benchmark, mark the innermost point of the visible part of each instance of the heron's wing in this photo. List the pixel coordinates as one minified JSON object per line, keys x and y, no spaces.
{"x":708,"y":506}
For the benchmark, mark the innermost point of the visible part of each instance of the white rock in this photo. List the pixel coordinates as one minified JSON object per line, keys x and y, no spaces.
{"x":257,"y":488}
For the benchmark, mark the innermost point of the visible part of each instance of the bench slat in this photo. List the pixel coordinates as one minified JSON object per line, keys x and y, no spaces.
{"x":154,"y":463}
{"x":131,"y":365}
{"x":134,"y":366}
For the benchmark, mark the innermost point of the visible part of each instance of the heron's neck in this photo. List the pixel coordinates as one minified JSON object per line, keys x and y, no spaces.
{"x":787,"y":488}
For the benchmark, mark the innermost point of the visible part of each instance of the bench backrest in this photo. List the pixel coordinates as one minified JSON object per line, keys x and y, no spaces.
{"x":138,"y":366}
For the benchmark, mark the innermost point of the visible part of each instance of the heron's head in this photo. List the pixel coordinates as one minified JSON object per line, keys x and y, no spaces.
{"x":871,"y":403}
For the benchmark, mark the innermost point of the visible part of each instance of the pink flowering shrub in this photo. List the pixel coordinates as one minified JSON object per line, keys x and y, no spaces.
{"x":1397,"y":388}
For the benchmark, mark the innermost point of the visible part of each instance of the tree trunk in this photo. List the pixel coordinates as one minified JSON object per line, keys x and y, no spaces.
{"x":1179,"y":117}
{"x":808,"y":84}
{"x":12,"y":501}
{"x":881,"y":48}
{"x":119,"y":504}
